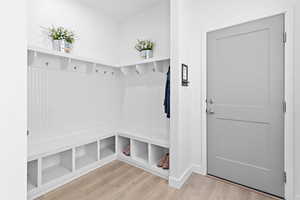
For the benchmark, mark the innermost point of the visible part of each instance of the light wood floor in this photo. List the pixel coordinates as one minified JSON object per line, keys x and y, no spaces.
{"x":120,"y":181}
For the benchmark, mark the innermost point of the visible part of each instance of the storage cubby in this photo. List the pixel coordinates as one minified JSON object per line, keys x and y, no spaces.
{"x":156,"y":154}
{"x":107,"y":147}
{"x":32,"y":175}
{"x":86,"y":155}
{"x":140,"y":151}
{"x":123,"y":142}
{"x":56,"y":166}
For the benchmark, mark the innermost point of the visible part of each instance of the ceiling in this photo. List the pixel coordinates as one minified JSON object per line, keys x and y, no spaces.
{"x":120,"y":9}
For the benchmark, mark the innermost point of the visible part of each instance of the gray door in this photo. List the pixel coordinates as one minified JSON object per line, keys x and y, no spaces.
{"x":245,"y":94}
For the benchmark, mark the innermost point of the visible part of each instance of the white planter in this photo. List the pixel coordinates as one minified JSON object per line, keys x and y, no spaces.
{"x":146,"y":54}
{"x":57,"y":45}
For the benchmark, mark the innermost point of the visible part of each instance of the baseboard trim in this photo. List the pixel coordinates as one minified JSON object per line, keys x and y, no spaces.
{"x":179,"y":182}
{"x":56,"y":184}
{"x":198,"y":170}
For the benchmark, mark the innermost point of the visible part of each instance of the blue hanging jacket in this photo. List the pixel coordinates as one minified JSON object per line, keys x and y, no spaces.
{"x":167,"y":103}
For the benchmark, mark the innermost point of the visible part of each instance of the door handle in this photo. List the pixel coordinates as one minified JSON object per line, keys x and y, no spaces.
{"x":210,"y":111}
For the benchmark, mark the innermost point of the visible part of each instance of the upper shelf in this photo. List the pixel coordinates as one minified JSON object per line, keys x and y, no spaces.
{"x":67,"y":55}
{"x":154,"y":64}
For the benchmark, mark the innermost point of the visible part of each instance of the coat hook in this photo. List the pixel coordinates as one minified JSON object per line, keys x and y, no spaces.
{"x":137,"y":72}
{"x":97,"y":70}
{"x":75,"y":67}
{"x":47,"y":63}
{"x":105,"y":72}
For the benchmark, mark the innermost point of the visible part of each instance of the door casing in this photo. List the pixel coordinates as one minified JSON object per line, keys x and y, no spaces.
{"x":289,"y":96}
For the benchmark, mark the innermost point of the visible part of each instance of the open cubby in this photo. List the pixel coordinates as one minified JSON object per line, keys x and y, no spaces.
{"x":157,"y":153}
{"x":107,"y":147}
{"x":123,"y":142}
{"x":86,"y":155}
{"x":56,"y":166}
{"x":140,"y":151}
{"x":32,"y":175}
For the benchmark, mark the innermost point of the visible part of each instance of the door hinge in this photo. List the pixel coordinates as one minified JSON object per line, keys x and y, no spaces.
{"x":284,"y":37}
{"x":284,"y":177}
{"x":284,"y":106}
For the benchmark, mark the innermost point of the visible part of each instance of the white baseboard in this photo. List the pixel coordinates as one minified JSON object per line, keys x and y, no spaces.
{"x":198,"y":170}
{"x":179,"y":182}
{"x":64,"y":180}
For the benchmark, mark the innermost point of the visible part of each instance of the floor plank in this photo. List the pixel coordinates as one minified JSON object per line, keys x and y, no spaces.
{"x":119,"y":180}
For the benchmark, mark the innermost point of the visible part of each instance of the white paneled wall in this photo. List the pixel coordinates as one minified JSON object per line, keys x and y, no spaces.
{"x":61,"y":102}
{"x":143,"y":109}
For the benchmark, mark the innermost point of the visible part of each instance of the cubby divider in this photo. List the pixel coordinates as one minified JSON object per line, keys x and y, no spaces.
{"x":85,"y":155}
{"x":107,"y":147}
{"x":56,"y":166}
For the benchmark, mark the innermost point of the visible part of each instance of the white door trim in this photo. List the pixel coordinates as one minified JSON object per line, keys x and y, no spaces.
{"x":289,"y":96}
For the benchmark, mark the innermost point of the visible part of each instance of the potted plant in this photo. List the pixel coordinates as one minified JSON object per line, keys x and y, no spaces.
{"x":145,"y":47}
{"x":68,"y":41}
{"x":57,"y":36}
{"x":62,"y":39}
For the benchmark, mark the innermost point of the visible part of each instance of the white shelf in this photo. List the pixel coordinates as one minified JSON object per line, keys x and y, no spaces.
{"x":157,"y":138}
{"x":67,"y":55}
{"x":53,"y":173}
{"x":38,"y":149}
{"x":152,"y":60}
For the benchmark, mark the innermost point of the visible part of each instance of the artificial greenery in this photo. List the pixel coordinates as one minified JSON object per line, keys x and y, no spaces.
{"x":144,"y":45}
{"x":61,"y":33}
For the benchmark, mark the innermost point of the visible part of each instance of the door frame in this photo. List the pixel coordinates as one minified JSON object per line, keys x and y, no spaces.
{"x":289,"y":95}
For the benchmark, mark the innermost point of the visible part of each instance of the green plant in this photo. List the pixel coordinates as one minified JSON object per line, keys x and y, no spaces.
{"x":61,"y":33}
{"x":144,"y":45}
{"x":70,"y":37}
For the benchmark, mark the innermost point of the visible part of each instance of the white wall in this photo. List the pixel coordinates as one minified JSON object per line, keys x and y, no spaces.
{"x":297,"y":99}
{"x":13,"y":100}
{"x":152,"y":23}
{"x":197,"y":17}
{"x":97,"y":33}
